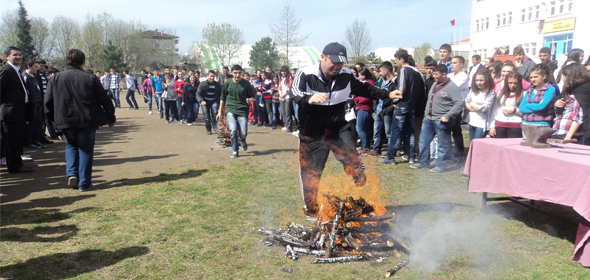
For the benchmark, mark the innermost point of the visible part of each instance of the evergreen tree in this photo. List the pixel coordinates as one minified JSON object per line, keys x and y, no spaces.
{"x":264,"y":53}
{"x":111,"y":56}
{"x":23,"y":29}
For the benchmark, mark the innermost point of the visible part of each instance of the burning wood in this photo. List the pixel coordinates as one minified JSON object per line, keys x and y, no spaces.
{"x":223,"y":133}
{"x":352,"y":232}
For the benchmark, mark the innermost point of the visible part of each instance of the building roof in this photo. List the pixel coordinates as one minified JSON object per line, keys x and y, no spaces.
{"x":465,"y":41}
{"x":155,"y":34}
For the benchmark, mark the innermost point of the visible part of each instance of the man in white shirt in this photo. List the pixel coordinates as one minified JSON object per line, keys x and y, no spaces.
{"x":460,"y":79}
{"x":476,"y":60}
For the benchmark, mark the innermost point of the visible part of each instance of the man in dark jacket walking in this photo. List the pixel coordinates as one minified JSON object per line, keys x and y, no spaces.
{"x":208,"y":95}
{"x":321,"y":93}
{"x":78,"y":104}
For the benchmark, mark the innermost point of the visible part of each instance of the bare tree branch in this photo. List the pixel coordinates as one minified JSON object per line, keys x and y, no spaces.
{"x":286,"y":32}
{"x":357,"y":39}
{"x":226,"y":39}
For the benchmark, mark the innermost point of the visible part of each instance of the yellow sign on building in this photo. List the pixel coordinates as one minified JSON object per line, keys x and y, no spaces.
{"x":559,"y":25}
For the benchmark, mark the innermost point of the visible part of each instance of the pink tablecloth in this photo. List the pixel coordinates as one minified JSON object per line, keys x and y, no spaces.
{"x":504,"y":166}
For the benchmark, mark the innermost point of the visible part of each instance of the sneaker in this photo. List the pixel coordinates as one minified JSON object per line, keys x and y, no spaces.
{"x":179,"y":122}
{"x":360,"y":179}
{"x":405,"y":157}
{"x":234,"y":155}
{"x":296,"y":133}
{"x":61,"y":137}
{"x":284,"y":129}
{"x":411,"y":161}
{"x":87,"y":189}
{"x":209,"y":133}
{"x":40,"y":145}
{"x":73,"y":182}
{"x":244,"y":145}
{"x":26,"y":158}
{"x":161,"y":115}
{"x":437,"y":169}
{"x":267,"y":125}
{"x":464,"y":175}
{"x":190,"y":124}
{"x":274,"y":127}
{"x":137,"y":108}
{"x":388,"y":161}
{"x":373,"y":153}
{"x":418,"y":165}
{"x":3,"y":161}
{"x":150,"y":113}
{"x":167,"y":121}
{"x":259,"y":124}
{"x":130,"y":108}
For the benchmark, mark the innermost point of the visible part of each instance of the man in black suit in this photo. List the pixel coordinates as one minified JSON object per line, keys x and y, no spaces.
{"x":16,"y":108}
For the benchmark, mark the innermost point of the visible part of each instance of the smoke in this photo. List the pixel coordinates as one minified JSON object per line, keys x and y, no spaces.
{"x":447,"y":236}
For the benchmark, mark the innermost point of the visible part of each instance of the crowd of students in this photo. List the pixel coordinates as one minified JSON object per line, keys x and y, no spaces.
{"x":492,"y":98}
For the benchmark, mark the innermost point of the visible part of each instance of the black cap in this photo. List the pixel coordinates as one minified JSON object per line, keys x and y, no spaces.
{"x":336,"y":51}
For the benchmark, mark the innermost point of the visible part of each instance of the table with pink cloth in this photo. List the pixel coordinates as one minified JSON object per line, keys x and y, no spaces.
{"x":504,"y":166}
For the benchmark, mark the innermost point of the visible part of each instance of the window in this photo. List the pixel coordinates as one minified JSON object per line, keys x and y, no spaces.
{"x":526,"y":48}
{"x":487,"y":23}
{"x":534,"y":48}
{"x":504,"y":19}
{"x":530,"y":10}
{"x":537,"y":12}
{"x":523,"y":15}
{"x":510,"y":18}
{"x":498,"y":16}
{"x":561,"y":6}
{"x":477,"y":25}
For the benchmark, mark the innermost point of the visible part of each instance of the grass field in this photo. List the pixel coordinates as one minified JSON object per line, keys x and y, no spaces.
{"x":201,"y":223}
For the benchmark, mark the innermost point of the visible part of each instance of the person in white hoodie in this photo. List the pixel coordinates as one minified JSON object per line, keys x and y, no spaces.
{"x":507,"y":118}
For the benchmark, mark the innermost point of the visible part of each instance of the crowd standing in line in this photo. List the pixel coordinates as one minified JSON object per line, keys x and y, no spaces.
{"x":421,"y":124}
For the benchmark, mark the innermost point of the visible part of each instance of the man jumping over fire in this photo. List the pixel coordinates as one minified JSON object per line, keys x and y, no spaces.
{"x":321,"y":93}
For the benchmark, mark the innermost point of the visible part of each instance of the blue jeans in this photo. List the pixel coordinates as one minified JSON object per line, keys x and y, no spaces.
{"x":402,"y":128}
{"x":159,"y":102}
{"x":149,"y":98}
{"x":191,"y":114}
{"x":475,"y":133}
{"x":382,"y":123}
{"x":296,"y":111}
{"x":276,"y":113}
{"x":130,"y":97}
{"x":80,"y":154}
{"x":364,"y":127}
{"x":430,"y":128}
{"x":209,"y":114}
{"x":115,"y":92}
{"x":238,"y":129}
{"x":181,"y":109}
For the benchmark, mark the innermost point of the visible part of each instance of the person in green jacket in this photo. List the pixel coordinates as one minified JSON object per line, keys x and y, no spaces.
{"x":236,"y":95}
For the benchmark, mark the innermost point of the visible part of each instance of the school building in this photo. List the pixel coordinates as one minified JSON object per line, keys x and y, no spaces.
{"x":500,"y":25}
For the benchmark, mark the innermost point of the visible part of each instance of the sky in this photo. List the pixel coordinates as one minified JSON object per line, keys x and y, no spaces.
{"x":391,"y":23}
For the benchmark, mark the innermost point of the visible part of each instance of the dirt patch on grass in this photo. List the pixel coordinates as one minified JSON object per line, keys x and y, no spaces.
{"x":138,"y":149}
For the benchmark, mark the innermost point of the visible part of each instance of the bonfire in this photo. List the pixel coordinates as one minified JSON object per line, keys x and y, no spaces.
{"x":347,"y":230}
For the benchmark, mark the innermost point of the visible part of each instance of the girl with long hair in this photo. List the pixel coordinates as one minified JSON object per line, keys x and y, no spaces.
{"x":537,"y":103}
{"x":570,"y":114}
{"x":507,"y":118}
{"x":286,"y":106}
{"x":364,"y":106}
{"x":480,"y":103}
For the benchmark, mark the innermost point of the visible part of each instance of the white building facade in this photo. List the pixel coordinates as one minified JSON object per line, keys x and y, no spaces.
{"x":557,"y":24}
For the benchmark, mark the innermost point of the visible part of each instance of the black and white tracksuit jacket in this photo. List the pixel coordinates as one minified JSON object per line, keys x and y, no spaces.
{"x":328,"y":116}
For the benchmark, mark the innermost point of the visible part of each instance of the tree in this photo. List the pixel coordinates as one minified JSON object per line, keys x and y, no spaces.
{"x":422,"y":52}
{"x":226,"y":39}
{"x":357,"y":39}
{"x":111,"y":57}
{"x":41,"y":37}
{"x":66,"y":35}
{"x":373,"y":60}
{"x":23,"y":27}
{"x":264,"y":53}
{"x":286,"y":32}
{"x":91,"y":39}
{"x":8,"y":36}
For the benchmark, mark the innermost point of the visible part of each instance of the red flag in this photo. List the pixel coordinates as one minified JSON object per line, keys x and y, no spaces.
{"x":453,"y":22}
